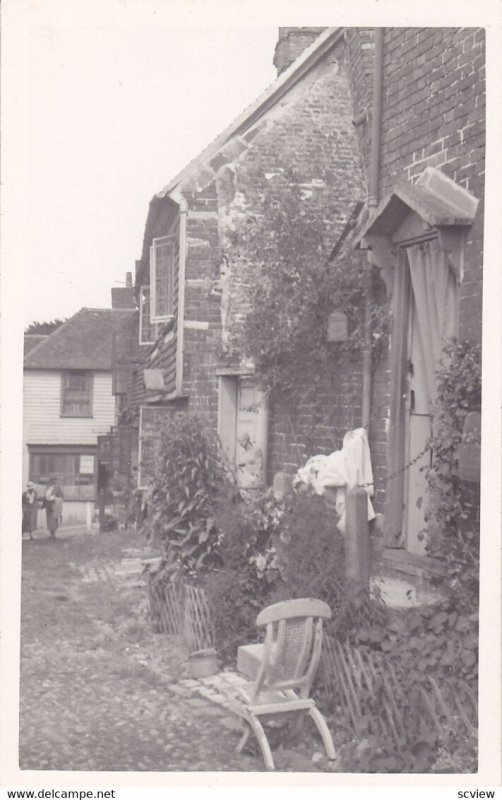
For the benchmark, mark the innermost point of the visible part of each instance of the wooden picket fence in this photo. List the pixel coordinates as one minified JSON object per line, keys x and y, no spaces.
{"x":365,"y":689}
{"x":182,"y":610}
{"x":362,"y":687}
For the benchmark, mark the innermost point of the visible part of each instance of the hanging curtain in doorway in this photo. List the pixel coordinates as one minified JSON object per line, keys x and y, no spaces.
{"x":434,"y":289}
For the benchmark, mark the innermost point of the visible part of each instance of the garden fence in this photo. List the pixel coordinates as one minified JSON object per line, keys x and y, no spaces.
{"x":182,"y":610}
{"x":365,"y":689}
{"x":362,"y":687}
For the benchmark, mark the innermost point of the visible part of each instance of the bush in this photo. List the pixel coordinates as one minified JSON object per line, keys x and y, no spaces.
{"x":454,"y":533}
{"x":311,"y":551}
{"x":190,"y":472}
{"x":272,"y":550}
{"x":248,"y":578}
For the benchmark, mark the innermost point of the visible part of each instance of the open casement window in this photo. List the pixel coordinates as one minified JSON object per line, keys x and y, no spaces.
{"x":162,"y":266}
{"x":76,"y":393}
{"x":147,"y":330}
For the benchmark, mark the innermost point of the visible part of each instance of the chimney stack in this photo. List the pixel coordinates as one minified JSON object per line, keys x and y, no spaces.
{"x":123,"y":296}
{"x":291,"y":43}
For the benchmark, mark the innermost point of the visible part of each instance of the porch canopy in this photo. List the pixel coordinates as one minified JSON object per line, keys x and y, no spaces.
{"x":435,"y":199}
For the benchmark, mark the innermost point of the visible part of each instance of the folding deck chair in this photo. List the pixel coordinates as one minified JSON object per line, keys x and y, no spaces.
{"x":288,"y":662}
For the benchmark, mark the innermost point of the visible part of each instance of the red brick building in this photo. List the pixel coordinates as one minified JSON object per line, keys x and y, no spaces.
{"x":303,"y":122}
{"x":389,"y":118}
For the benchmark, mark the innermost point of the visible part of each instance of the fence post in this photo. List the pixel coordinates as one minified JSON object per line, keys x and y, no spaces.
{"x":88,"y":515}
{"x":357,"y":541}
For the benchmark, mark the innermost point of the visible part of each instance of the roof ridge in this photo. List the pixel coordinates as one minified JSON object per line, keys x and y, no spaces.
{"x":95,"y":308}
{"x":86,"y":322}
{"x":51,"y":335}
{"x":279,"y":86}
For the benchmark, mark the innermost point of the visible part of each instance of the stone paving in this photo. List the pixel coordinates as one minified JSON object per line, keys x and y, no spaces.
{"x":101,"y":691}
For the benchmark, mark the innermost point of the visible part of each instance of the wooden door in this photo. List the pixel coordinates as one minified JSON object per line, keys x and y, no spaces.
{"x":251,"y":435}
{"x":418,"y":430}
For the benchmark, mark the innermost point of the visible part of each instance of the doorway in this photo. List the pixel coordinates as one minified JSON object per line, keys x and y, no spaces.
{"x":425,"y":318}
{"x":242,"y":427}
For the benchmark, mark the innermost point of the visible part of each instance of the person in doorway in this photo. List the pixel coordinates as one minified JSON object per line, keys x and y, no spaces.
{"x":30,"y":509}
{"x":53,"y":502}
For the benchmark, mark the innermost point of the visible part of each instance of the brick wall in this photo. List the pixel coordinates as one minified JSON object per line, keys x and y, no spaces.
{"x":311,"y":132}
{"x":433,"y":115}
{"x":425,"y":122}
{"x":291,"y":44}
{"x":304,"y":430}
{"x":360,"y":46}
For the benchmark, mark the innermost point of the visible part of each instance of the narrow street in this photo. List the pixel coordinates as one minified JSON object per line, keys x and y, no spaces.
{"x":100,"y":691}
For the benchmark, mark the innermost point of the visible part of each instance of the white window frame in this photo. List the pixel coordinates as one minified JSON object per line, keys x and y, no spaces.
{"x":168,"y":313}
{"x":88,"y":376}
{"x":145,"y":299}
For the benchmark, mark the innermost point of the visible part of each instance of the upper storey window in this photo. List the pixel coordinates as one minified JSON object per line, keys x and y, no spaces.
{"x":163,"y":257}
{"x":76,"y":393}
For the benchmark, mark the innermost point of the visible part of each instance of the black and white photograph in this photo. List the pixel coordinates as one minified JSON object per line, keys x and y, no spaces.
{"x":253,"y":492}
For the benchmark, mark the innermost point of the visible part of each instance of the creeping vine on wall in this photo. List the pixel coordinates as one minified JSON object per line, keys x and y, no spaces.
{"x":285,"y":252}
{"x":453,"y":533}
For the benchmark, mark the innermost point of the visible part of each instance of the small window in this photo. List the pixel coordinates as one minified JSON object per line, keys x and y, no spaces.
{"x":162,"y":258}
{"x":147,"y":330}
{"x":76,"y":394}
{"x":70,"y":469}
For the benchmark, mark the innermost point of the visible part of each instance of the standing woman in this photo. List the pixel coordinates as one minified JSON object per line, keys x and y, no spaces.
{"x":30,"y":509}
{"x":53,"y":502}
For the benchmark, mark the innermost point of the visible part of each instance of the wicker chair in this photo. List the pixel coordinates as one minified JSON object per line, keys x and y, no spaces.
{"x":288,"y":663}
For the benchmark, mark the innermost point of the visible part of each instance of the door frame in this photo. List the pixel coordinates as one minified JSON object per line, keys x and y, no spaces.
{"x":408,"y":234}
{"x":228,"y":409}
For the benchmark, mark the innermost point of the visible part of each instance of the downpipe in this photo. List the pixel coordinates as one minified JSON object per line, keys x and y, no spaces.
{"x":373,"y":198}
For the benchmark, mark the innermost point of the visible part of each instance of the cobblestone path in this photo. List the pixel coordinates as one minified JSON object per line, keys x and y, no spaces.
{"x":99,"y":689}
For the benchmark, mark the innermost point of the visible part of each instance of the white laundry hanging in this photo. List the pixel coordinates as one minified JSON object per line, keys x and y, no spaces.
{"x":346,"y":468}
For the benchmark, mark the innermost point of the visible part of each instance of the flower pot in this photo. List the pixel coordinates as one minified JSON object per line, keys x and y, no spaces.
{"x":202,"y":663}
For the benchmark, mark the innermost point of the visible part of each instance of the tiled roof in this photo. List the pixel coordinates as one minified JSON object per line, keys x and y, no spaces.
{"x":31,"y":340}
{"x":85,"y":341}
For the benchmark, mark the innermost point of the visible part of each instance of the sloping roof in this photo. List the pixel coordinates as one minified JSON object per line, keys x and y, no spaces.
{"x":249,"y":117}
{"x":85,"y":341}
{"x":31,"y":340}
{"x":263,"y":103}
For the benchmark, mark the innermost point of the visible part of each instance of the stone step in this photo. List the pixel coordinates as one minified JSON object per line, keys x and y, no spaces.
{"x":249,"y":657}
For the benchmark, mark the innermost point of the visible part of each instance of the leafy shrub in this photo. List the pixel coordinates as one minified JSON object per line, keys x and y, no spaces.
{"x":454,"y":533}
{"x":287,"y":248}
{"x":437,"y":642}
{"x":311,"y":551}
{"x":190,"y":473}
{"x":248,"y":577}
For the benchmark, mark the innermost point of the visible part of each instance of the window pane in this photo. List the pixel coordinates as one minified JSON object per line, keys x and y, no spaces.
{"x":164,"y":265}
{"x":148,"y":331}
{"x":70,"y":469}
{"x":77,"y":391}
{"x":86,"y":465}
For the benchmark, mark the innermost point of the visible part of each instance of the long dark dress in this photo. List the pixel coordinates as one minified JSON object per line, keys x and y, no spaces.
{"x":30,"y":511}
{"x":51,"y":507}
